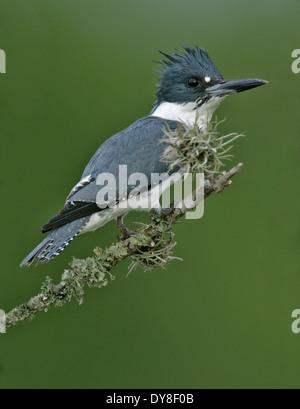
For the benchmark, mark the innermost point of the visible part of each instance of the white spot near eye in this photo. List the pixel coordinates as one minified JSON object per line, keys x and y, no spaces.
{"x":207,"y":79}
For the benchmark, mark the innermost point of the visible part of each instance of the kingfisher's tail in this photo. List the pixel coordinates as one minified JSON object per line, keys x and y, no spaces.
{"x":56,"y":241}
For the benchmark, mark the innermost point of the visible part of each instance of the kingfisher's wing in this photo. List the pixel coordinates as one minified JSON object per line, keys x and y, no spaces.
{"x":138,"y":147}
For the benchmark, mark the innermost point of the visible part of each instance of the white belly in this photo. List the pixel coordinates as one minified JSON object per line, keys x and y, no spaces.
{"x":143,"y":202}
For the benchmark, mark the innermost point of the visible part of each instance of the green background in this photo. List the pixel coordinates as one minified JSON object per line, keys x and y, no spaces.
{"x":78,"y":72}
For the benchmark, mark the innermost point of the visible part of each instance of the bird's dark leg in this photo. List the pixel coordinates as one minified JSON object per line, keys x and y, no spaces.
{"x":123,"y":229}
{"x":166,"y":211}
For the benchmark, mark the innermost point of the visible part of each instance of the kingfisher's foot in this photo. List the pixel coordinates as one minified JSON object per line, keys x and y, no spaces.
{"x":123,"y":229}
{"x":166,"y":211}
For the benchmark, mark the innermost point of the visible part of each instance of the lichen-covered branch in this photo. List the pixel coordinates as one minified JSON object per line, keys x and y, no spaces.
{"x":152,"y":246}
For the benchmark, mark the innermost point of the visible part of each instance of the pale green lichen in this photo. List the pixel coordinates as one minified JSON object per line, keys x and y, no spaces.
{"x":197,"y":151}
{"x":156,"y":254}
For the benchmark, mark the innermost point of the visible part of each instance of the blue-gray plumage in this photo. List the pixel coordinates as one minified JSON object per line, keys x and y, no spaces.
{"x":190,"y":89}
{"x":140,"y":140}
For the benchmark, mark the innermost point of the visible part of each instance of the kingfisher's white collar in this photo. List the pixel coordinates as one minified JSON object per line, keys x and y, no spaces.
{"x":188,"y":113}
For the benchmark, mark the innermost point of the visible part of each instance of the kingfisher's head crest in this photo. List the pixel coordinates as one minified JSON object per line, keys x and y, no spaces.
{"x":184,"y":75}
{"x":191,"y":76}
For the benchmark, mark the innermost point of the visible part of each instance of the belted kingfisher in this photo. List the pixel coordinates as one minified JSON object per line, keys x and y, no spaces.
{"x":190,"y":89}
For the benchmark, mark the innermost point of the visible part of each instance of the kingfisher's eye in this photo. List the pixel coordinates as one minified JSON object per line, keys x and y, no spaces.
{"x":193,"y":82}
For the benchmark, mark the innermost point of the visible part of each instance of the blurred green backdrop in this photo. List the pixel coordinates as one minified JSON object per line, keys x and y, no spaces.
{"x":79,"y":71}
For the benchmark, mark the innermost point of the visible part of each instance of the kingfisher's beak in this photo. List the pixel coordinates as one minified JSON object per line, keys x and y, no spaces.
{"x":228,"y":87}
